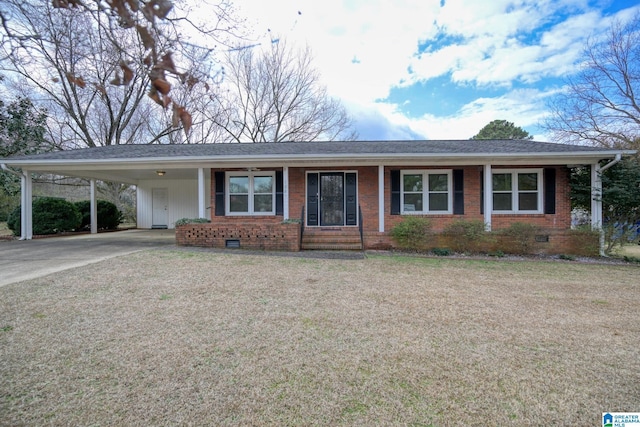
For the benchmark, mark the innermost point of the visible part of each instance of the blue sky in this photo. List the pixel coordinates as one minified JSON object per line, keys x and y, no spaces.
{"x":439,"y":69}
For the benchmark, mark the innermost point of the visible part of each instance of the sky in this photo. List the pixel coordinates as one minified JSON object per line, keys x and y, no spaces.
{"x":439,"y":69}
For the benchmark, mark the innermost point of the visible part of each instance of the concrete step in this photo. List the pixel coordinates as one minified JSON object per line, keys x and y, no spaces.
{"x":331,"y":247}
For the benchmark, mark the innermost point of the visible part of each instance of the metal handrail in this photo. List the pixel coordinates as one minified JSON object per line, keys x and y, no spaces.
{"x":301,"y":226}
{"x":360,"y":226}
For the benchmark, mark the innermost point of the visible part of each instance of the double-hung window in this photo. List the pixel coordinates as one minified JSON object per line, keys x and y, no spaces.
{"x":426,"y":191}
{"x":251,"y":193}
{"x":517,"y":191}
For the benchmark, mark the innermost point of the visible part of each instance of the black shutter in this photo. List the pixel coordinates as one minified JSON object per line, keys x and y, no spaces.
{"x":395,"y":192}
{"x":458,"y":192}
{"x":549,"y":190}
{"x":219,"y":177}
{"x":482,"y":193}
{"x":279,"y":193}
{"x":312,"y":199}
{"x":351,"y":205}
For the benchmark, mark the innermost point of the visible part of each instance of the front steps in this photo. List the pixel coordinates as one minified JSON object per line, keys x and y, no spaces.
{"x":331,"y":239}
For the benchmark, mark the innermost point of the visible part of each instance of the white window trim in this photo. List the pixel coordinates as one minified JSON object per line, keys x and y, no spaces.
{"x":251,"y":176}
{"x":515,"y":191}
{"x":425,"y":190}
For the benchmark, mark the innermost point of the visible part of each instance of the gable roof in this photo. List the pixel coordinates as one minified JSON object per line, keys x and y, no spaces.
{"x":137,"y":158}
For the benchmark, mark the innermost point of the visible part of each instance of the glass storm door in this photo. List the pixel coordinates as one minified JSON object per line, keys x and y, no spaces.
{"x":331,"y":199}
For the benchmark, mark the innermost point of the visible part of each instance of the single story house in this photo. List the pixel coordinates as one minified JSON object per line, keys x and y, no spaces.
{"x":333,"y":194}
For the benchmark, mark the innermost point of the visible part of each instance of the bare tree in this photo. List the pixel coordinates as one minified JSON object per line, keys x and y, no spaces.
{"x":601,"y":104}
{"x":97,"y":65}
{"x":275,"y":96}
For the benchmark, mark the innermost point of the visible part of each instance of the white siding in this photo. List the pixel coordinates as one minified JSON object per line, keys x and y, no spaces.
{"x":183,"y":200}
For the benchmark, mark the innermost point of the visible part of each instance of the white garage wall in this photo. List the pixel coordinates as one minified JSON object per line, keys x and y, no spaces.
{"x":183,"y":200}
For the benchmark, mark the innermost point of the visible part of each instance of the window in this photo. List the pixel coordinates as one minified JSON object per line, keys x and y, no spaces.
{"x":517,"y":191}
{"x":251,"y":193}
{"x":426,"y":191}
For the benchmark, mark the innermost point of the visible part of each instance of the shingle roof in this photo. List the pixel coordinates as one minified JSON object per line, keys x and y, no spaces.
{"x":306,"y":149}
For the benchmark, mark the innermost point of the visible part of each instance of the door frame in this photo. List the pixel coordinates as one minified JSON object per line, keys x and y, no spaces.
{"x":350,"y":216}
{"x":153,"y":209}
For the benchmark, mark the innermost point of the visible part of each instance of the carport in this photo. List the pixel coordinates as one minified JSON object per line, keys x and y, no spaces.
{"x":185,"y":181}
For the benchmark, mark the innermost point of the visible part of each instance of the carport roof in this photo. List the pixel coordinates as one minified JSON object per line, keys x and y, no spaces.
{"x":129,"y":163}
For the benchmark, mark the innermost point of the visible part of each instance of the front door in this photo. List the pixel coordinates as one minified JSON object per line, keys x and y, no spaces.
{"x":331,"y":199}
{"x":160,"y":201}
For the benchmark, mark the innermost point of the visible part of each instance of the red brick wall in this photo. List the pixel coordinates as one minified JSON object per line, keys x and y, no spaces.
{"x":554,"y":225}
{"x":251,"y":235}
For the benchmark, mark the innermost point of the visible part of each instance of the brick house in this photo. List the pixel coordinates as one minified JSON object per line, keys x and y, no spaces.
{"x":308,"y":195}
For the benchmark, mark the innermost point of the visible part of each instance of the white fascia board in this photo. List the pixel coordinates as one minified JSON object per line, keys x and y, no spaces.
{"x":580,"y":157}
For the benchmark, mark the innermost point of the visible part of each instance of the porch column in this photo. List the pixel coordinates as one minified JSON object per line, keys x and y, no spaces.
{"x":596,"y":203}
{"x":488,"y":196}
{"x":93,"y":208}
{"x":202,"y":212}
{"x":381,"y":198}
{"x":26,"y":211}
{"x":285,"y":192}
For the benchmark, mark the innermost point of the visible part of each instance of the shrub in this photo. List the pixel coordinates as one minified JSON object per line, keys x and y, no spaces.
{"x":185,"y":221}
{"x":50,"y":215}
{"x":412,"y":233}
{"x":441,"y":251}
{"x":498,"y":254}
{"x":13,"y":220}
{"x":523,"y":235}
{"x":466,"y":236}
{"x":109,"y":217}
{"x":585,"y":241}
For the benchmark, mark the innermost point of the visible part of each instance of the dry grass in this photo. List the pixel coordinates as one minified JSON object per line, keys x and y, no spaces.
{"x":193,"y":338}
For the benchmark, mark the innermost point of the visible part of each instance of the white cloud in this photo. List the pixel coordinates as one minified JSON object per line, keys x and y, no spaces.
{"x":365,"y":48}
{"x":525,"y":108}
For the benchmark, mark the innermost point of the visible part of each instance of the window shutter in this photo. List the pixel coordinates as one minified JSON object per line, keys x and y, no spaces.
{"x":279,"y":194}
{"x":312,"y":198}
{"x":395,"y":192}
{"x":351,"y":202}
{"x":219,"y":178}
{"x":458,"y":192}
{"x":549,"y":190}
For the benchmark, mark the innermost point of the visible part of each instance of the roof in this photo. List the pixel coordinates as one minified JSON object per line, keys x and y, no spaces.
{"x":425,"y":147}
{"x":89,"y":161}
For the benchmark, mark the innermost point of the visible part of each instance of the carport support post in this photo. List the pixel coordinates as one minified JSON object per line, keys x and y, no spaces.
{"x":94,"y":208}
{"x":285,"y":191}
{"x":201,"y":196}
{"x":488,"y":196}
{"x":381,"y":198}
{"x":596,"y":203}
{"x":26,"y":211}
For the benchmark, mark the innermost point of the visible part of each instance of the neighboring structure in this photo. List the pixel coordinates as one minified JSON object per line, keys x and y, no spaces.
{"x":338,"y":190}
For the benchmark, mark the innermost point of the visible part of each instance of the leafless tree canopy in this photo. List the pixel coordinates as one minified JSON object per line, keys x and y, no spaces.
{"x":275,"y":96}
{"x":98,"y":65}
{"x":601,"y":104}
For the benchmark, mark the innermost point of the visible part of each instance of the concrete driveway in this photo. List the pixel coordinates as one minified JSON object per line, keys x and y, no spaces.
{"x":25,"y":260}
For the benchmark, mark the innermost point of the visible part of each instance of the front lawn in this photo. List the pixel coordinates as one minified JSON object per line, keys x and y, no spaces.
{"x":180,"y":337}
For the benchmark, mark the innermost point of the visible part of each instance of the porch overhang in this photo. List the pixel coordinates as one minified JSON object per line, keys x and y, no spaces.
{"x":131,"y":171}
